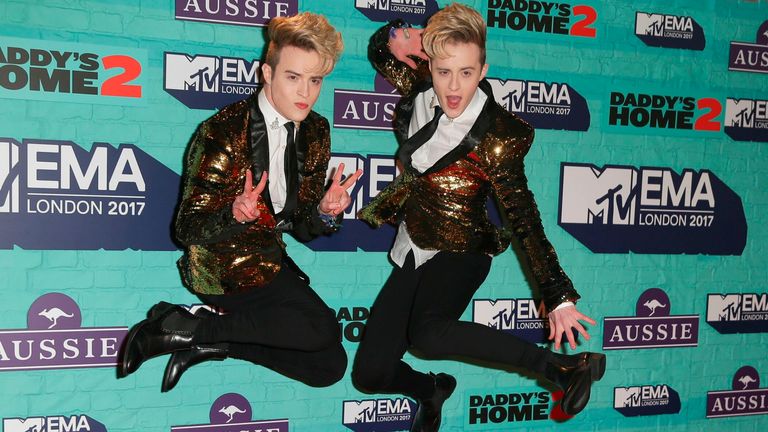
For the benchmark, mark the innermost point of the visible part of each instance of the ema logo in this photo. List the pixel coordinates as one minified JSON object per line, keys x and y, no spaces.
{"x":738,"y":313}
{"x":524,"y":318}
{"x":209,"y":82}
{"x":378,"y":172}
{"x":749,"y":57}
{"x":664,"y":112}
{"x":501,"y":408}
{"x":542,"y":17}
{"x":745,"y":398}
{"x":669,"y":31}
{"x":357,"y":109}
{"x":231,"y":412}
{"x":646,"y":400}
{"x":74,"y":423}
{"x":414,"y":12}
{"x":378,"y":415}
{"x":620,"y":209}
{"x":110,"y":198}
{"x":652,"y":327}
{"x":545,"y":106}
{"x":54,"y":339}
{"x":239,"y":12}
{"x":69,"y":72}
{"x":746,"y":119}
{"x":352,"y":322}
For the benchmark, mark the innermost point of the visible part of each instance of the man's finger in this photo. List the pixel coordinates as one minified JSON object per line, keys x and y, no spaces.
{"x":422,"y":55}
{"x":350,"y":181}
{"x":248,"y":181}
{"x":587,"y":319}
{"x":407,"y":60}
{"x":262,"y":184}
{"x":571,"y":340}
{"x":338,"y":173}
{"x":579,"y":328}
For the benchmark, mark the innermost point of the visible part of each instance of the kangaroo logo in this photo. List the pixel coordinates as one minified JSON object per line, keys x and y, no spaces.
{"x":746,"y":380}
{"x":53,"y":315}
{"x":652,"y":305}
{"x":230,"y":411}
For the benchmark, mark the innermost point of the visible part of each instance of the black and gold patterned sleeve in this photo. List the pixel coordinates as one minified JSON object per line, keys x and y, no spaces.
{"x":521,"y":216}
{"x":205,"y":212}
{"x":399,"y":74}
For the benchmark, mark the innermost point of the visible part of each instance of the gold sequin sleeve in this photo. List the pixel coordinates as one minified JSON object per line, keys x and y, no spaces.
{"x":520,"y":214}
{"x":205,"y":212}
{"x":402,"y":76}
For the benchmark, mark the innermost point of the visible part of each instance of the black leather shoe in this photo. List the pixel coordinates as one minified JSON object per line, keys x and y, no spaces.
{"x":180,"y":361}
{"x":165,"y":332}
{"x":574,"y":375}
{"x":429,"y":413}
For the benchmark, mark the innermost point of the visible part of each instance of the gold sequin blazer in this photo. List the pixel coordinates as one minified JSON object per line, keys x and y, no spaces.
{"x":445,"y":207}
{"x":223,"y":256}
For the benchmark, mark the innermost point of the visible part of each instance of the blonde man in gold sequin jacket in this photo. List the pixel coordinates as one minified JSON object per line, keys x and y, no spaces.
{"x":254,"y":170}
{"x":457,"y":146}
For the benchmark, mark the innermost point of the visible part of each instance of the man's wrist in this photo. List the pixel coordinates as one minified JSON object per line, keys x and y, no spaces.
{"x":564,"y":304}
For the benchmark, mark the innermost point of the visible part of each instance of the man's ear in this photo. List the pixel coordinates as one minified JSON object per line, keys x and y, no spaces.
{"x":484,"y":71}
{"x":266,"y":73}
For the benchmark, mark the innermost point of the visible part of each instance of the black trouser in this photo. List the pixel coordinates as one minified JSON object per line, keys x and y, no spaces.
{"x":283,"y":325}
{"x":420,"y":308}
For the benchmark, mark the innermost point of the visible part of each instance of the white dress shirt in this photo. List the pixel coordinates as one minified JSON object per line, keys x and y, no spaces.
{"x":277,"y":136}
{"x":449,"y":133}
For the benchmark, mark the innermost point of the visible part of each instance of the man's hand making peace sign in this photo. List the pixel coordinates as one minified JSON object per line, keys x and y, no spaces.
{"x":337,"y":198}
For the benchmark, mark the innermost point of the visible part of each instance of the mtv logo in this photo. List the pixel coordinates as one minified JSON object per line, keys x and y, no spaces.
{"x":626,"y":397}
{"x":509,"y":93}
{"x":723,"y":307}
{"x":594,"y":196}
{"x":32,"y":424}
{"x":372,"y":4}
{"x":739,"y":113}
{"x":9,"y":177}
{"x":185,"y":72}
{"x":359,"y":412}
{"x":649,"y":24}
{"x":497,"y":314}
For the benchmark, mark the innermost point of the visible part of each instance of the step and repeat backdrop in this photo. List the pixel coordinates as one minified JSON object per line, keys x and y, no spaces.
{"x":649,"y":168}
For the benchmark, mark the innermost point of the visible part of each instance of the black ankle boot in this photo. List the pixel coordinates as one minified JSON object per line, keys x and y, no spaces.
{"x":429,"y":414}
{"x":574,"y":374}
{"x":180,"y":361}
{"x":169,"y":330}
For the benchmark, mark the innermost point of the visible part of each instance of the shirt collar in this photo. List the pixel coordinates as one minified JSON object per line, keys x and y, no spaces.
{"x":272,"y":118}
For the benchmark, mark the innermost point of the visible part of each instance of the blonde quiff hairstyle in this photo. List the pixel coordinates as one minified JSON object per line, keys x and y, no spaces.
{"x":453,"y":24}
{"x":308,"y":31}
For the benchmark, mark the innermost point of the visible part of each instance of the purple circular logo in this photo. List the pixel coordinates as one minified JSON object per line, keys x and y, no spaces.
{"x":746,"y":378}
{"x":762,"y":34}
{"x":230,"y":408}
{"x":652,"y":303}
{"x":54,"y":311}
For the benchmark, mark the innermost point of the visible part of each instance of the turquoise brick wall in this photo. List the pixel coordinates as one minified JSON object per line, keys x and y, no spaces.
{"x":115,"y":288}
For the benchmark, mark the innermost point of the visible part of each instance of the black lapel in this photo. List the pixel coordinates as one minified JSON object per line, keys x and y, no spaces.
{"x":259,"y":147}
{"x":402,"y":122}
